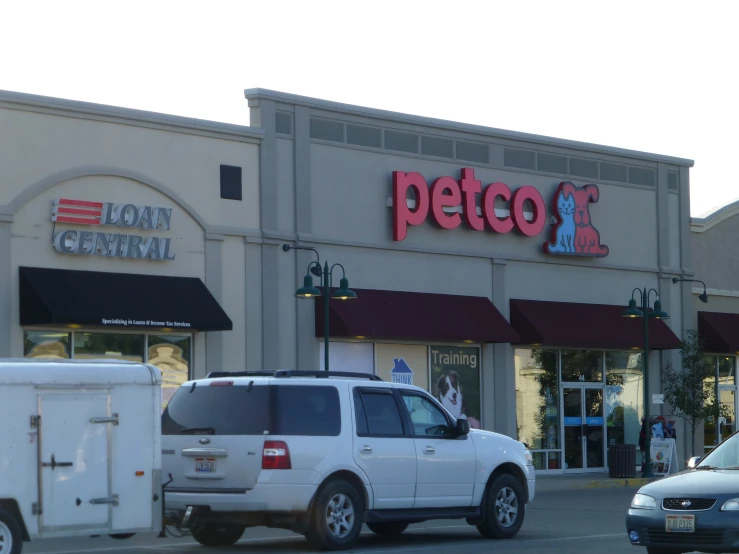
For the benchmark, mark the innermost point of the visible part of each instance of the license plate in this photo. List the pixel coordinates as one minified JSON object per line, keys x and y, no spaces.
{"x":205,"y":465}
{"x":680,"y":523}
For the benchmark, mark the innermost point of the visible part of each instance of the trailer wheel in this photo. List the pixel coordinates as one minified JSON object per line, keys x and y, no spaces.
{"x":121,"y":535}
{"x":10,"y":533}
{"x":212,"y":534}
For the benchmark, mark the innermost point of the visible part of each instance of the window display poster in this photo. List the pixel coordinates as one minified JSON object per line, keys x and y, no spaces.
{"x":357,"y":357}
{"x":455,"y":381}
{"x":403,"y":363}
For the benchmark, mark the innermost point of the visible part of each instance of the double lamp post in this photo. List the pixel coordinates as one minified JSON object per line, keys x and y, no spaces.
{"x":309,"y":290}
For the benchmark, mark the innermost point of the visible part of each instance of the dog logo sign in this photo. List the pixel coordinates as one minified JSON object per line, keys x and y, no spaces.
{"x":574,"y":233}
{"x":401,"y":372}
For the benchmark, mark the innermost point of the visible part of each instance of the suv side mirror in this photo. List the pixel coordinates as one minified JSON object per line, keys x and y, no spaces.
{"x":462,"y":427}
{"x":692,"y":462}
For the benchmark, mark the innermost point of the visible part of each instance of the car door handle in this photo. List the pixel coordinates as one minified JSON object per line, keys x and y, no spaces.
{"x":429,"y":450}
{"x":367,"y":449}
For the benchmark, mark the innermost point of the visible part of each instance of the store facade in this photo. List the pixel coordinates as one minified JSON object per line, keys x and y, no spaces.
{"x":716,"y":316}
{"x":116,"y":240}
{"x":475,"y":268}
{"x":490,"y":267}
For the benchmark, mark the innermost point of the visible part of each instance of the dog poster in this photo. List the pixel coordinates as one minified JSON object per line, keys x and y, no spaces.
{"x":455,"y":381}
{"x":403,"y":363}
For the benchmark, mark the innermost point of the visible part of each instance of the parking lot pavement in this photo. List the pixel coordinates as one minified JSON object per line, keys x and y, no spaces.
{"x":564,"y":517}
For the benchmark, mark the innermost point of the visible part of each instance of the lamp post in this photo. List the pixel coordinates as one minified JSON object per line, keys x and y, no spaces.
{"x":309,"y":290}
{"x":704,"y":298}
{"x":643,"y":311}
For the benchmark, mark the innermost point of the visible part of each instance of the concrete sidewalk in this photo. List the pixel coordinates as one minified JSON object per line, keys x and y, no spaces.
{"x":598,"y":480}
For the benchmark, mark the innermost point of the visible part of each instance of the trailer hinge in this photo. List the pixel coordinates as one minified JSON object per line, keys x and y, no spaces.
{"x":36,"y":509}
{"x":35,"y":421}
{"x":112,"y":419}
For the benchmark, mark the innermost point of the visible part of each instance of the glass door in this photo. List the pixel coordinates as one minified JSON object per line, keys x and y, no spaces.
{"x":584,"y":430}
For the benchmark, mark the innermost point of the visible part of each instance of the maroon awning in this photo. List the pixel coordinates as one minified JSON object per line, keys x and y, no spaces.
{"x":719,"y":331}
{"x":397,"y":315}
{"x":575,"y":325}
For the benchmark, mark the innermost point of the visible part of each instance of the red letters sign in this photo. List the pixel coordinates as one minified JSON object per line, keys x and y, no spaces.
{"x":449,"y":192}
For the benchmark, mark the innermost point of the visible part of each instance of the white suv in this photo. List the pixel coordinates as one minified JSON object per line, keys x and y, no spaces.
{"x":320,"y":453}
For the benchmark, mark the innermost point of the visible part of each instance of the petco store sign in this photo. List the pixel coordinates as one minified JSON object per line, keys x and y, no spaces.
{"x":449,"y":201}
{"x":118,"y":245}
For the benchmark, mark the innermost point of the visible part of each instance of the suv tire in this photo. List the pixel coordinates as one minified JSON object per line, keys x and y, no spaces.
{"x":10,"y":533}
{"x":388,"y":529}
{"x":505,"y":508}
{"x":212,"y":534}
{"x":337,"y":516}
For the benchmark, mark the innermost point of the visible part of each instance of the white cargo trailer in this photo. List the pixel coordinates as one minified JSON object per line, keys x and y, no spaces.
{"x":80,"y":449}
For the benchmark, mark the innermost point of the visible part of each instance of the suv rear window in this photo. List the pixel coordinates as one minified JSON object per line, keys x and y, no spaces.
{"x":224,"y":410}
{"x":306,"y":410}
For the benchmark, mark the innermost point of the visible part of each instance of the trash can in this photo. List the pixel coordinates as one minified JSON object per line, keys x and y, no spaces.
{"x":622,"y":460}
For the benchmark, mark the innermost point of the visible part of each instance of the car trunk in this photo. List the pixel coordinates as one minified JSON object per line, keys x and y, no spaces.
{"x":213,"y":436}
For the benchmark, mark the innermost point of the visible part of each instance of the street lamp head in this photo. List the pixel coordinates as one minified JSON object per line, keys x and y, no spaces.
{"x":315,"y":269}
{"x":657,"y":313}
{"x":703,"y":297}
{"x":632,"y":310}
{"x":343,"y":292}
{"x":308,"y":290}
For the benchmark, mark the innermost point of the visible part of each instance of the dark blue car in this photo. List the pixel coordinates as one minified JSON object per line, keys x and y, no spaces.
{"x":697,"y":509}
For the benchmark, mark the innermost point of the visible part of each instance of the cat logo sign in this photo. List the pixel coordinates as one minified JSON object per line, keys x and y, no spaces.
{"x":574,"y":233}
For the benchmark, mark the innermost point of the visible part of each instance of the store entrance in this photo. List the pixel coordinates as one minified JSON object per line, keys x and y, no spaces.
{"x":584,"y":427}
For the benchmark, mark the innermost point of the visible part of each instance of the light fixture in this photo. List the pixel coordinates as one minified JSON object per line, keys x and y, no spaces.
{"x":344,"y":292}
{"x":308,"y":290}
{"x":74,"y":325}
{"x":702,"y":297}
{"x":632,"y":310}
{"x":657,"y":313}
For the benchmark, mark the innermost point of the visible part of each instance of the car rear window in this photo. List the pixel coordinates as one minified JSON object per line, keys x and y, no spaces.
{"x":306,"y":410}
{"x":224,"y":410}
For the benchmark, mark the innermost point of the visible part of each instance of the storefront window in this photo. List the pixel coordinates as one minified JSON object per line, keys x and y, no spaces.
{"x":725,"y":366}
{"x":537,"y":399}
{"x":455,"y":381}
{"x":357,"y":357}
{"x":45,"y":344}
{"x":171,"y":354}
{"x":624,"y":396}
{"x":111,"y":346}
{"x":582,"y":366}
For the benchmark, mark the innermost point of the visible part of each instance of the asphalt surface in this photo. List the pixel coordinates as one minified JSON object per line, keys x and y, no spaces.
{"x":564,"y":517}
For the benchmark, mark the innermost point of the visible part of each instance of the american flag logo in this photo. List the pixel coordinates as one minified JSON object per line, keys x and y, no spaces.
{"x":81,"y":212}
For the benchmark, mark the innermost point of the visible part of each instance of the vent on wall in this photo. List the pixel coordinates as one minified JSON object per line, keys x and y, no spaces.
{"x":230,"y":182}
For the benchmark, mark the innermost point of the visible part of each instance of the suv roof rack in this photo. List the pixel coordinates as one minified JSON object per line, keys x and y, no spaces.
{"x":281,"y":373}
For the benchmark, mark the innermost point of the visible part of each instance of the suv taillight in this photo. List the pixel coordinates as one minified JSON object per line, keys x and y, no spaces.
{"x":276,"y":455}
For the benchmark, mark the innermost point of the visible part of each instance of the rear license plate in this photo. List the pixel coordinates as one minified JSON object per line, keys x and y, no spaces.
{"x":205,"y":465}
{"x":680,"y":524}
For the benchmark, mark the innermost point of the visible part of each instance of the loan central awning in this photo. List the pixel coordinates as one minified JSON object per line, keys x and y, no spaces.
{"x":398,"y":315}
{"x":719,"y":331}
{"x":60,"y":296}
{"x":576,"y":325}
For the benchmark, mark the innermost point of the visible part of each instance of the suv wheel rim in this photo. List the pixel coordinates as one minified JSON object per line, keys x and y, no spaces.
{"x":506,"y":507}
{"x":339,"y":516}
{"x":6,"y":539}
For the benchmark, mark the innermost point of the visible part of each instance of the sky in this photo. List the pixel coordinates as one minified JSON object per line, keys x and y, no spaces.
{"x":653,"y":76}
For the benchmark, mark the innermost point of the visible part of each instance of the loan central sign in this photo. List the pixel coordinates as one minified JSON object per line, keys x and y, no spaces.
{"x":127,"y":217}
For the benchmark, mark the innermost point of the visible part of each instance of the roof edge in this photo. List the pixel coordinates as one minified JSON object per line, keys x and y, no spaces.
{"x":702,"y":224}
{"x":307,"y":101}
{"x":20,"y":100}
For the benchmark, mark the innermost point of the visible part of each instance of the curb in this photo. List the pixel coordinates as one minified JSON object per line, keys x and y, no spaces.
{"x":617,"y":483}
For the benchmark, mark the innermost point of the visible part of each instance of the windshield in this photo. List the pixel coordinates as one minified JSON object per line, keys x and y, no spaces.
{"x":724,"y":456}
{"x":209,"y":410}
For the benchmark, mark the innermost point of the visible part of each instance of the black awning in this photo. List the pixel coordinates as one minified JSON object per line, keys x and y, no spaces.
{"x":60,"y":296}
